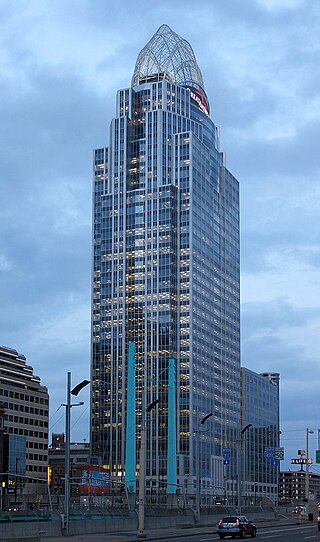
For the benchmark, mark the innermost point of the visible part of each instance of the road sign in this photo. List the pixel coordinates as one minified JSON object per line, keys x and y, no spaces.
{"x":269,"y":453}
{"x":279,"y":453}
{"x":317,"y":456}
{"x":226,"y":455}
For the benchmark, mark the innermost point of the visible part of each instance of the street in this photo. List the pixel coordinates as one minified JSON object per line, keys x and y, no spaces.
{"x":294,"y":533}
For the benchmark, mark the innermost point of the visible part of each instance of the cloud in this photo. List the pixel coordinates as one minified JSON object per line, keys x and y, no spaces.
{"x":261,"y":317}
{"x":60,"y":67}
{"x":5,"y":263}
{"x":279,"y":336}
{"x":281,"y":4}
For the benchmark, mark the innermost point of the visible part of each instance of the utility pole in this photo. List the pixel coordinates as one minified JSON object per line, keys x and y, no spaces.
{"x":308,"y":432}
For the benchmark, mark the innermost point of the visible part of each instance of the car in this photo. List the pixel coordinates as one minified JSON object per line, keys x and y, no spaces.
{"x":318,"y":521}
{"x":300,"y":510}
{"x":236,"y":526}
{"x":17,"y":507}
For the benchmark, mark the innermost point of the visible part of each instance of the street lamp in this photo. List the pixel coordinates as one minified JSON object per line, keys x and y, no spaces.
{"x":68,"y":406}
{"x":199,"y":422}
{"x":142,"y":470}
{"x":240,"y":464}
{"x":308,"y":432}
{"x":16,"y":481}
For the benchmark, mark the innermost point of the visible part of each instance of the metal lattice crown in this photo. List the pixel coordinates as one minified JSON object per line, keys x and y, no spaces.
{"x":168,"y":56}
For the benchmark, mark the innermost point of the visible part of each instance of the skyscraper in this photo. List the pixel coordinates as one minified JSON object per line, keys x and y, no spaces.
{"x":165,"y":275}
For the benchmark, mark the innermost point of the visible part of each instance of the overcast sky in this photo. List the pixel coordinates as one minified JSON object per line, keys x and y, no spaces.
{"x":61,"y":63}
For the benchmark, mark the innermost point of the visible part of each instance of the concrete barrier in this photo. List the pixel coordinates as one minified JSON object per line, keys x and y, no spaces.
{"x":29,"y":531}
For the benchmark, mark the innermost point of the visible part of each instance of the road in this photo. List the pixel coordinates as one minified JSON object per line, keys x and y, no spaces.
{"x":292,"y":533}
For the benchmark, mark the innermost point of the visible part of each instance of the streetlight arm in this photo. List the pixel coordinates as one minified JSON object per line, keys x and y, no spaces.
{"x":206,"y":418}
{"x":245,"y":428}
{"x":73,"y":404}
{"x":79,"y":387}
{"x":153,"y":404}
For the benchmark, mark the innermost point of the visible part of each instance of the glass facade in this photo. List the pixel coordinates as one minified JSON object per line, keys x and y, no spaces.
{"x":166,"y":276}
{"x":260,"y":407}
{"x":17,"y":454}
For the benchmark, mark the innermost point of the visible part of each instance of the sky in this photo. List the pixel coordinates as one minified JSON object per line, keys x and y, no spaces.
{"x":61,"y":63}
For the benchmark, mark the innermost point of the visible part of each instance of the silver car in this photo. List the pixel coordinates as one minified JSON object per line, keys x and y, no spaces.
{"x":236,"y":526}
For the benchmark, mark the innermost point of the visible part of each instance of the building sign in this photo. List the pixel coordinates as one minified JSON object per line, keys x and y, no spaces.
{"x":94,"y":481}
{"x":301,"y":461}
{"x":200,"y":100}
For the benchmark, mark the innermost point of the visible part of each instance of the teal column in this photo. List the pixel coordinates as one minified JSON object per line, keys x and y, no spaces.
{"x":130,"y":467}
{"x":172,"y":431}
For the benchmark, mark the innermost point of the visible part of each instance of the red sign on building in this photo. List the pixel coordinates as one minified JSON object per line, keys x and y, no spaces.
{"x":94,"y":480}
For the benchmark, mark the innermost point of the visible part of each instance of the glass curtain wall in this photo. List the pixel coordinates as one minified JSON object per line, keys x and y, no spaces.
{"x":166,"y":276}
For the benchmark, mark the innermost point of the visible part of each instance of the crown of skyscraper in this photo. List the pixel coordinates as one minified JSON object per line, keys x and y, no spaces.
{"x":170,"y":57}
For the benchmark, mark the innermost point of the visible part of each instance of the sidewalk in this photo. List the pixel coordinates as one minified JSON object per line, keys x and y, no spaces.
{"x":157,"y":534}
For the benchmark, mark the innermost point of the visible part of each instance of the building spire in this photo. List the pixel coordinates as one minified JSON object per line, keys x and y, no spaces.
{"x":168,"y":56}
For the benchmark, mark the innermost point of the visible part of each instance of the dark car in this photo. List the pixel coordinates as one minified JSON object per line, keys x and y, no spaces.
{"x":318,"y":521}
{"x":236,"y":526}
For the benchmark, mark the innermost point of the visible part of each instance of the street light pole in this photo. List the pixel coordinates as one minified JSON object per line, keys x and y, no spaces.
{"x":67,"y":455}
{"x":308,"y":432}
{"x":16,"y":481}
{"x":68,"y":406}
{"x":198,"y":474}
{"x":142,"y":481}
{"x":240,"y":464}
{"x":142,"y":469}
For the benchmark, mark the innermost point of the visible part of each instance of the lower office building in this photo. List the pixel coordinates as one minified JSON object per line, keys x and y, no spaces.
{"x":25,"y":410}
{"x":79,"y":457}
{"x":293,"y":487}
{"x":89,"y":484}
{"x":260,"y":436}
